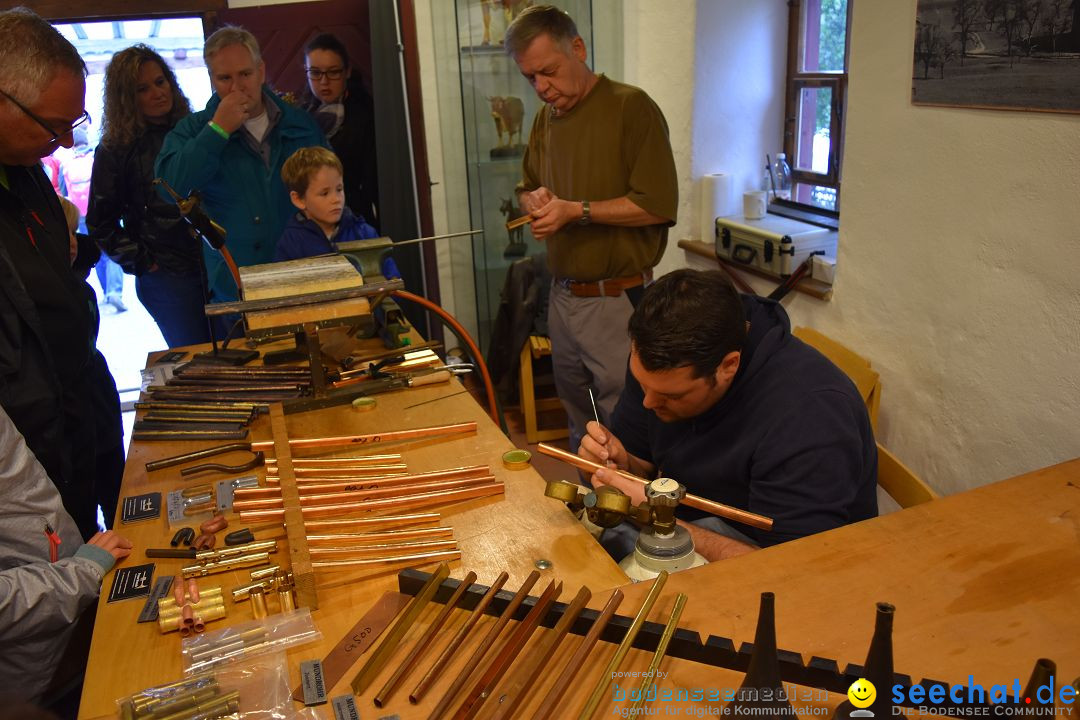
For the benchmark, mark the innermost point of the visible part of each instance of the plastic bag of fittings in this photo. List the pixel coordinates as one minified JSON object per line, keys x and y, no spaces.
{"x":248,"y":639}
{"x":254,"y":690}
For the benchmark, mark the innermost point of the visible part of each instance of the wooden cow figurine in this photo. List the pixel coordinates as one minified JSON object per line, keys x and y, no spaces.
{"x":508,"y":113}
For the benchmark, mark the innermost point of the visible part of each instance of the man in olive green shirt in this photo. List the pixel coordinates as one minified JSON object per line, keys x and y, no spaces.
{"x":600,"y":185}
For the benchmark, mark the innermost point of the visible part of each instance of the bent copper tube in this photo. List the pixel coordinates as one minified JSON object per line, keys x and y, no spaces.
{"x":474,"y":700}
{"x":413,"y":560}
{"x":700,"y":503}
{"x":485,"y":645}
{"x":448,"y":653}
{"x":372,"y":438}
{"x":414,"y":656}
{"x":322,"y":499}
{"x":515,"y":689}
{"x":251,"y":464}
{"x":419,"y":500}
{"x":573,"y":667}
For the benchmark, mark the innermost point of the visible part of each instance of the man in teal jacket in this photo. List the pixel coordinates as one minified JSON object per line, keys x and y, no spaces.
{"x":232,"y":153}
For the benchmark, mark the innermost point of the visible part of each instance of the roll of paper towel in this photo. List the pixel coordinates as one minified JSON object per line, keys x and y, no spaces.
{"x":715,"y":202}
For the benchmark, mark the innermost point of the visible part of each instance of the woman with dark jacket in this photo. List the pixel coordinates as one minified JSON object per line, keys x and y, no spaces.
{"x":127,"y":217}
{"x":345,"y":113}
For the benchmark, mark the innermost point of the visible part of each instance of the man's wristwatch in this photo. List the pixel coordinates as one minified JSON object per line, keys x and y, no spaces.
{"x":586,"y":214}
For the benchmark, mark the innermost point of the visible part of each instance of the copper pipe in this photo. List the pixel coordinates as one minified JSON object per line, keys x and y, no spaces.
{"x":304,"y":481}
{"x":509,"y":652}
{"x":408,"y":502}
{"x":347,"y":471}
{"x":573,"y":668}
{"x":372,"y":438}
{"x":449,"y":473}
{"x":332,"y":461}
{"x":624,"y":647}
{"x":381,"y":654}
{"x":699,"y":503}
{"x":661,"y":650}
{"x":411,"y":660}
{"x":384,"y":548}
{"x":410,"y":519}
{"x":321,"y":499}
{"x":414,"y":559}
{"x":410,"y":534}
{"x":441,"y":709}
{"x":448,"y":653}
{"x":517,"y":686}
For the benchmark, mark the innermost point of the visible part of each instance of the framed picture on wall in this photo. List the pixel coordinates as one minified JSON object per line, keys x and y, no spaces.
{"x":1003,"y":54}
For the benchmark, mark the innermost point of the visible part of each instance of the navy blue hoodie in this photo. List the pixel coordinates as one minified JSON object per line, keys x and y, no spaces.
{"x":304,"y":238}
{"x":790,"y":439}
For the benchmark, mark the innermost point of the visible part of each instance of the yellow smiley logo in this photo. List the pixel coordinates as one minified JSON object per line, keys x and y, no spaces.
{"x":862,"y":693}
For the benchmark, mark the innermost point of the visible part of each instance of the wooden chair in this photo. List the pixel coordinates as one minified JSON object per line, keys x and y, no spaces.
{"x":895,"y":478}
{"x":536,"y":347}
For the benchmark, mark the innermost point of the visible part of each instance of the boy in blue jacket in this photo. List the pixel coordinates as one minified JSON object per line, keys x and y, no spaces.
{"x":313,"y":176}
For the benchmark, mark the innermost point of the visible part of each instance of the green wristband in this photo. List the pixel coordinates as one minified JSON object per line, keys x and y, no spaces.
{"x":218,"y":129}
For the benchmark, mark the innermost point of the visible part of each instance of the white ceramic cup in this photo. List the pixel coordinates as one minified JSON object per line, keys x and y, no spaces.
{"x":754,"y":204}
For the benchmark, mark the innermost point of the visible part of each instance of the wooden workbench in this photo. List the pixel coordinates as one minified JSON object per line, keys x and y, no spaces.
{"x":494,"y":534}
{"x":984,"y":582}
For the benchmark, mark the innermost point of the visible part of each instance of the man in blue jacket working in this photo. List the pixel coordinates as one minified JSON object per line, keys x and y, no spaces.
{"x":721,"y":397}
{"x":232,"y":153}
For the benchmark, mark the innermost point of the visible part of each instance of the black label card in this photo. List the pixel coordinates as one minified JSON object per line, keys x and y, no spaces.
{"x":131,"y":582}
{"x":141,"y":507}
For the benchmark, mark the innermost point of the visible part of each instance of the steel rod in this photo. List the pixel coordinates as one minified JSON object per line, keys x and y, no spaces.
{"x":658,"y":656}
{"x":624,"y":647}
{"x":524,"y":678}
{"x":372,"y":438}
{"x":196,"y":455}
{"x":699,"y":503}
{"x":406,"y":666}
{"x":447,"y":699}
{"x":448,"y":654}
{"x":508,"y":653}
{"x":408,"y":502}
{"x":380,"y":655}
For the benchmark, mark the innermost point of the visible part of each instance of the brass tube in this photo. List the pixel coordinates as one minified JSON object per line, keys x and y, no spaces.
{"x":447,"y":654}
{"x":624,"y":647}
{"x":243,"y":592}
{"x":573,"y":668}
{"x":269,"y":546}
{"x":414,"y":559}
{"x":216,"y":707}
{"x":258,"y":602}
{"x":141,"y":699}
{"x":207,"y":406}
{"x":265,"y":573}
{"x":381,"y":654}
{"x":411,"y":660}
{"x":441,"y":709}
{"x":661,"y":650}
{"x":409,"y":534}
{"x":174,"y":622}
{"x":226,"y":565}
{"x":319,"y":499}
{"x":287,"y":597}
{"x":384,"y":548}
{"x":204,"y":593}
{"x":372,"y":438}
{"x":247,"y":638}
{"x":177,"y":610}
{"x":515,"y":688}
{"x":474,"y":700}
{"x":176,"y":702}
{"x":700,"y":503}
{"x":421,"y":500}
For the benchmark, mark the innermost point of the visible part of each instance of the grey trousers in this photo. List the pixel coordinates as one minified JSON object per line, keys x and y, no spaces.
{"x":589,"y":348}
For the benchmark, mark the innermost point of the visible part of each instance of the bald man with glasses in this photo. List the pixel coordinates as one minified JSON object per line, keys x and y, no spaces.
{"x":54,"y":385}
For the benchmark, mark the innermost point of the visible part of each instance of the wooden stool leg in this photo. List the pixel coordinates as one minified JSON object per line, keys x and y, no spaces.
{"x":527,"y":393}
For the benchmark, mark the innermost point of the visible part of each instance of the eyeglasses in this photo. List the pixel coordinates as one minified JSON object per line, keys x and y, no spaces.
{"x":56,"y":135}
{"x":332,"y":74}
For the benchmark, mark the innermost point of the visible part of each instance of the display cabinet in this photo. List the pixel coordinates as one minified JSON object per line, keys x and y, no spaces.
{"x":498,"y":106}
